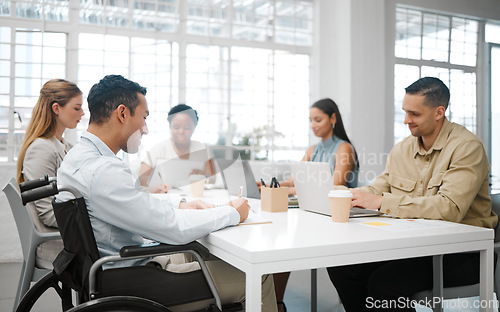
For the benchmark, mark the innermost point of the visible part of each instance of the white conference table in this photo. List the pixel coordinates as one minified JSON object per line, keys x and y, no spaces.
{"x":299,"y":240}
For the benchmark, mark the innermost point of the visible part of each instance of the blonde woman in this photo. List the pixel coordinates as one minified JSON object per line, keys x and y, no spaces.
{"x":59,"y":107}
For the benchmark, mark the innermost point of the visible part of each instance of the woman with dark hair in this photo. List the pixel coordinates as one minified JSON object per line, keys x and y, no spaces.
{"x":336,"y":149}
{"x":335,"y":146}
{"x":182,"y":120}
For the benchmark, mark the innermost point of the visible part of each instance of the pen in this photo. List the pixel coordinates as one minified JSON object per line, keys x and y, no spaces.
{"x":274,"y":182}
{"x":150,"y":159}
{"x":161,"y":178}
{"x":263,"y":183}
{"x":240,"y":193}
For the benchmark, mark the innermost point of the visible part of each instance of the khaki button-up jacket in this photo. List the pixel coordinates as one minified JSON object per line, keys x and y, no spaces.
{"x":448,"y":182}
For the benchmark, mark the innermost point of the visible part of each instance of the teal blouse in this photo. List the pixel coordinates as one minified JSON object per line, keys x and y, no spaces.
{"x":325,"y":151}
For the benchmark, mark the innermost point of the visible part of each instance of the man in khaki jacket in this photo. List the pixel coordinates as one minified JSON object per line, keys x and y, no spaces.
{"x":440,"y":172}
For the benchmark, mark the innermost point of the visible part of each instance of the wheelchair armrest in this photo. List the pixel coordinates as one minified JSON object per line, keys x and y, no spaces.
{"x":50,"y":235}
{"x":157,"y":249}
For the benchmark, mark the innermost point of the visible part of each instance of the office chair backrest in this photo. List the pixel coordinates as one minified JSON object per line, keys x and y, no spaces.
{"x":30,"y":238}
{"x":72,"y":265}
{"x":495,"y":206}
{"x":24,"y":220}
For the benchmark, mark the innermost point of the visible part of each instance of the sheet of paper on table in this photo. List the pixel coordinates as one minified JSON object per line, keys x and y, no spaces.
{"x":254,"y":218}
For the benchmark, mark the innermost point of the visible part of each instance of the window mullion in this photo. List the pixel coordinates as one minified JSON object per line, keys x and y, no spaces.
{"x":10,"y":136}
{"x":431,"y":63}
{"x":270,"y":118}
{"x":229,"y":130}
{"x":421,"y":35}
{"x":183,"y":14}
{"x":171,"y":73}
{"x":450,"y":27}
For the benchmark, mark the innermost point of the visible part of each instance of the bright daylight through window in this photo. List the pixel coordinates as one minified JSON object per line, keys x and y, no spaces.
{"x":232,"y":60}
{"x":430,"y":44}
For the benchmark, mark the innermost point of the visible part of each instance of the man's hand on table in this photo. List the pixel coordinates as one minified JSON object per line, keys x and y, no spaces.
{"x":365,"y":200}
{"x":241,"y":206}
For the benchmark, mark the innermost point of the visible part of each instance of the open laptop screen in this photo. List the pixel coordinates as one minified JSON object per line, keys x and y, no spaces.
{"x":313,"y":181}
{"x":236,"y":173}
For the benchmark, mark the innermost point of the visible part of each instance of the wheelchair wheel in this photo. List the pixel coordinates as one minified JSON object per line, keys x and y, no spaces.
{"x":119,"y":304}
{"x":36,"y":291}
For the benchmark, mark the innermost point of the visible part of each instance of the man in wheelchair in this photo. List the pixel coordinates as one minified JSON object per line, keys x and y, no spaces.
{"x":121,"y":213}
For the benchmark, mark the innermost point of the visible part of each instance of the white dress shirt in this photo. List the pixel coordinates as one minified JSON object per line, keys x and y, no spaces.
{"x":123,"y":214}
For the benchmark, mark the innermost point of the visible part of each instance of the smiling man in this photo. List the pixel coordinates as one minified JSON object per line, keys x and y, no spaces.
{"x":121,"y":213}
{"x":440,"y":172}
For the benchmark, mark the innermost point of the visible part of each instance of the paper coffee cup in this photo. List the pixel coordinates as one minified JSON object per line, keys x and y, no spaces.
{"x":340,"y":204}
{"x":197,"y":183}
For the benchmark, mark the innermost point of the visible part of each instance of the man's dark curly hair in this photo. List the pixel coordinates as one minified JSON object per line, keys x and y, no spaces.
{"x":106,"y":95}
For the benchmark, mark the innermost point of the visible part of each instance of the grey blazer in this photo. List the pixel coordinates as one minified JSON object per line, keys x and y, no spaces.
{"x":44,"y":156}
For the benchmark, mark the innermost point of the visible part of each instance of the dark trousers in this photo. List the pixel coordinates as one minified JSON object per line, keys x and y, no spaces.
{"x":388,"y":285}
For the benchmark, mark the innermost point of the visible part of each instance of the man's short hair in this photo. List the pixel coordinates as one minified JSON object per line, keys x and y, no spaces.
{"x":106,"y":95}
{"x":435,"y":91}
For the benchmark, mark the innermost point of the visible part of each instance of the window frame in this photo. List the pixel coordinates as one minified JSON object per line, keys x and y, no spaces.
{"x":73,"y":27}
{"x":445,"y":65}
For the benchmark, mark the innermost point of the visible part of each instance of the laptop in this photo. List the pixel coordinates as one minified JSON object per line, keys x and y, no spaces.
{"x":313,"y":181}
{"x":174,"y":172}
{"x":236,"y":173}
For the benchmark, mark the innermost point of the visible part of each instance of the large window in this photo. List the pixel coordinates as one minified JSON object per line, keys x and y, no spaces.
{"x":6,"y":111}
{"x":155,"y":63}
{"x":430,"y":44}
{"x":234,"y":61}
{"x":280,"y":21}
{"x":492,"y":36}
{"x":151,"y":62}
{"x":37,"y":57}
{"x":267,"y":91}
{"x":495,"y":117}
{"x":41,"y":9}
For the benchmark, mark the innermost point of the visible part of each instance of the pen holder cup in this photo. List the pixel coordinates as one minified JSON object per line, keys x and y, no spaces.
{"x":274,"y":199}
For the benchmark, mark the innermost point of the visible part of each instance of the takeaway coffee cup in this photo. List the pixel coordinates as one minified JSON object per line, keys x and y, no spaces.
{"x":197,"y":185}
{"x":340,"y":205}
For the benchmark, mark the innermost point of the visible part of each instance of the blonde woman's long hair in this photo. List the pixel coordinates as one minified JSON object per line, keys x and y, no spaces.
{"x":43,"y":119}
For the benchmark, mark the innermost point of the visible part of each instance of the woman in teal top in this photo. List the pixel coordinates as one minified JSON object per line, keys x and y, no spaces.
{"x":336,"y":149}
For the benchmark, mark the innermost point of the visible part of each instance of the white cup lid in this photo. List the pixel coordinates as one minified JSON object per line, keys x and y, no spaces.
{"x":196,"y":177}
{"x":340,"y":193}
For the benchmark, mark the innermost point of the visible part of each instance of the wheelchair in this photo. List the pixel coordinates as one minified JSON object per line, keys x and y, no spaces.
{"x":78,"y":268}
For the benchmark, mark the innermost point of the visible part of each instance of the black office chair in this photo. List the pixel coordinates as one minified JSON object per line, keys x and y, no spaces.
{"x":468,"y":290}
{"x":140,"y":288}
